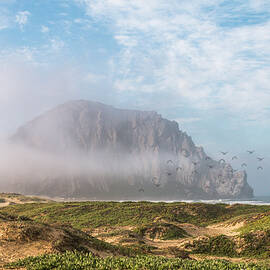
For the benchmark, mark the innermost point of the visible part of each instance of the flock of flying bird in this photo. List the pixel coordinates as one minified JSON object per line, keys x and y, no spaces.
{"x":243,"y":164}
{"x":157,"y":184}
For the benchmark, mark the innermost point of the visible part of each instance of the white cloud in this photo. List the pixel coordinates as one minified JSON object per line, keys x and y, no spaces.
{"x":126,"y":40}
{"x":22,"y":18}
{"x":23,"y":54}
{"x":93,"y":78}
{"x":45,"y":29}
{"x":57,"y":44}
{"x":78,"y":20}
{"x":202,"y":52}
{"x":187,"y":120}
{"x":4,"y":18}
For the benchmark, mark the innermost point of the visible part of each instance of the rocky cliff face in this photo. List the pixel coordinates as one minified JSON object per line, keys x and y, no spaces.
{"x":126,"y":154}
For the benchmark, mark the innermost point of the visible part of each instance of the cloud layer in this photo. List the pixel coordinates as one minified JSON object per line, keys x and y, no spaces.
{"x":209,"y":55}
{"x":22,"y":18}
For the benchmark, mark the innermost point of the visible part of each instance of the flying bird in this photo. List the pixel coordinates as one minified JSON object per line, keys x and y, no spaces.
{"x":250,"y":152}
{"x":260,"y":159}
{"x":154,"y":179}
{"x":260,"y":168}
{"x":234,"y":157}
{"x":185,"y":152}
{"x":224,"y":153}
{"x":243,"y":165}
{"x":169,"y":161}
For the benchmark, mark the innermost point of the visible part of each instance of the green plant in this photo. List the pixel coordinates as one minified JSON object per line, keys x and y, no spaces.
{"x":218,"y":245}
{"x":80,"y":261}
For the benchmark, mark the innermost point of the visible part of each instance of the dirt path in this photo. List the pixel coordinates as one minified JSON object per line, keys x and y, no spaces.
{"x":13,"y":251}
{"x":226,"y":228}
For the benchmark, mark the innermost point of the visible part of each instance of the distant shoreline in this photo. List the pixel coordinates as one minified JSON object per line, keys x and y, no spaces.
{"x":257,"y":200}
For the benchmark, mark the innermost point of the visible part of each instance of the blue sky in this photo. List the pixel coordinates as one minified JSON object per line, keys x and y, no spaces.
{"x":203,"y":63}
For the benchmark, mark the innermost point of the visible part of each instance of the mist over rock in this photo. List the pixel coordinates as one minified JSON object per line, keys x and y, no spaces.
{"x":86,"y":149}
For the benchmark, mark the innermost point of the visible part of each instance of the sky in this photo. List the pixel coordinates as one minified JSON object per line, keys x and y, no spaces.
{"x":202,"y":63}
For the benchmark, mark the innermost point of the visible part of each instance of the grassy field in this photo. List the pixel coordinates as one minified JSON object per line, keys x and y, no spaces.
{"x":78,"y":261}
{"x":134,"y":235}
{"x":96,"y":214}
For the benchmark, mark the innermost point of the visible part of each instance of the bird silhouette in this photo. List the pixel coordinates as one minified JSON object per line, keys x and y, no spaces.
{"x":234,"y":157}
{"x":155,"y":182}
{"x":222,"y":161}
{"x":154,"y":179}
{"x":243,"y":165}
{"x":250,"y":152}
{"x":224,"y":153}
{"x":260,"y":159}
{"x":169,"y":161}
{"x":185,"y":151}
{"x":260,"y":168}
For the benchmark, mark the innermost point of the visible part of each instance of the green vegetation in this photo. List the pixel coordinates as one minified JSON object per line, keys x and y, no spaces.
{"x":219,"y":245}
{"x":112,"y":214}
{"x":30,"y":199}
{"x":162,"y":231}
{"x":14,"y":198}
{"x":261,"y":223}
{"x":79,"y":261}
{"x":256,"y":244}
{"x":61,"y":238}
{"x":10,"y":195}
{"x":134,"y":227}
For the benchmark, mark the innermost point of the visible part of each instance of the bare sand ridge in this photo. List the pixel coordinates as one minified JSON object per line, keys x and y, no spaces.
{"x":14,"y":198}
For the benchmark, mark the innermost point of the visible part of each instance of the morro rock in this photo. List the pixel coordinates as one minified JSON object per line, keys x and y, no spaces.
{"x":101,"y":152}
